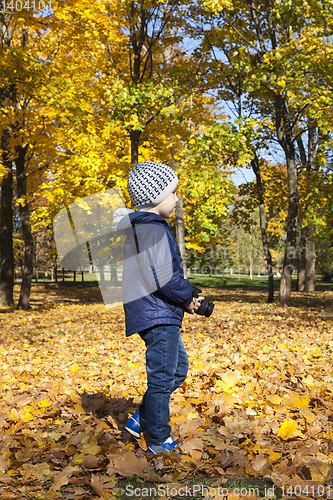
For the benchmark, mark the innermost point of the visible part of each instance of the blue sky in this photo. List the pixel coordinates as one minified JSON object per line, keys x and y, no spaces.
{"x":242,"y":175}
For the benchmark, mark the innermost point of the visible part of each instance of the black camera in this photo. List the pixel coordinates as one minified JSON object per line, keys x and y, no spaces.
{"x":206,"y":307}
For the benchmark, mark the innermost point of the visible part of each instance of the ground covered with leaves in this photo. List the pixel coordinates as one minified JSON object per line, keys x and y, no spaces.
{"x":257,"y":402}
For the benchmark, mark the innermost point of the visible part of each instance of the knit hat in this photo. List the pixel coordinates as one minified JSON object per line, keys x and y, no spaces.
{"x":149,"y":183}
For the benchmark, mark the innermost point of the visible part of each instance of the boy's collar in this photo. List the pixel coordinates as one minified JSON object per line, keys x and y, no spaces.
{"x":146,"y":217}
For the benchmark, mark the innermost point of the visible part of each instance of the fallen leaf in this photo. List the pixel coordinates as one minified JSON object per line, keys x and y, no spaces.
{"x":288,"y":429}
{"x":127,"y":464}
{"x":260,"y":463}
{"x":228,"y":380}
{"x":3,"y":464}
{"x":191,"y":445}
{"x":227,"y":458}
{"x":91,"y":462}
{"x":294,"y":400}
{"x":238,"y":426}
{"x":97,"y":485}
{"x":41,"y":471}
{"x":22,"y":399}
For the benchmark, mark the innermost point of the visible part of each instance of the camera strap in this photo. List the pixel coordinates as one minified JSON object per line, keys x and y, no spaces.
{"x":136,"y":252}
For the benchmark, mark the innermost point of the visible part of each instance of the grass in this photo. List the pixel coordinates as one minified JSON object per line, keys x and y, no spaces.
{"x":244,"y":281}
{"x":227,"y":281}
{"x":200,"y":280}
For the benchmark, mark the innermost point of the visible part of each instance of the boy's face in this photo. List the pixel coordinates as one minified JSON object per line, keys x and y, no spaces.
{"x":166,"y":208}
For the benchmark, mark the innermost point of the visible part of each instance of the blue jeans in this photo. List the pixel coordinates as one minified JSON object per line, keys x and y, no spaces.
{"x":167,"y":366}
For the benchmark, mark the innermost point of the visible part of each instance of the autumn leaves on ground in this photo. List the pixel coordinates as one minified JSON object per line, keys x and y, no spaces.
{"x":257,"y":402}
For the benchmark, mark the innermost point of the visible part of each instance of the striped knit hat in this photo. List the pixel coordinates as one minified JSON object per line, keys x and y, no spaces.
{"x":149,"y":183}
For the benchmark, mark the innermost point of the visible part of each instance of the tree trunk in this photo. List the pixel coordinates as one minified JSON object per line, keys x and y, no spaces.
{"x":289,"y":255}
{"x":24,"y":211}
{"x":135,"y":140}
{"x":6,"y":223}
{"x":6,"y":239}
{"x":302,"y":260}
{"x":307,"y":263}
{"x":101,"y":275}
{"x":114,"y":275}
{"x":284,"y":130}
{"x":263,"y":229}
{"x":180,"y":232}
{"x":310,"y":264}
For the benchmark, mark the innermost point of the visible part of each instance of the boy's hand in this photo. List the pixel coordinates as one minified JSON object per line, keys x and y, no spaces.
{"x":194,"y":305}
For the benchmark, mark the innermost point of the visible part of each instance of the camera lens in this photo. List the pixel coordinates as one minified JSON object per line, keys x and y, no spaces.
{"x":206,"y":308}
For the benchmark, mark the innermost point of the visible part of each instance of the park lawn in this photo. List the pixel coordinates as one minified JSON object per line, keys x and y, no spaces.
{"x":257,"y":402}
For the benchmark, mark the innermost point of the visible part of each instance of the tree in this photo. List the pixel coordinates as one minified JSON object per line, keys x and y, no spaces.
{"x":276,"y":67}
{"x":316,"y":214}
{"x":156,"y":76}
{"x":24,"y":128}
{"x":272,"y":199}
{"x":311,"y":149}
{"x":205,"y":170}
{"x":152,"y":98}
{"x":7,"y":94}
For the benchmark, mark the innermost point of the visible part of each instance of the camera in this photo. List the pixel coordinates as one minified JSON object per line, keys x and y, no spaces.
{"x":206,"y":307}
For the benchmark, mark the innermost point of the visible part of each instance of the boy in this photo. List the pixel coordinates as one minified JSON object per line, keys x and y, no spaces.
{"x":155,"y":297}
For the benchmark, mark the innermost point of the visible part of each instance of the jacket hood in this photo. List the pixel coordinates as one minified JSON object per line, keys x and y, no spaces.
{"x":140,"y":218}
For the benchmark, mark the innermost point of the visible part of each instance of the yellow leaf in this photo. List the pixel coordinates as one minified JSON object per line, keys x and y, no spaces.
{"x":74,"y":368}
{"x":12,"y":472}
{"x":228,"y":381}
{"x":296,"y":401}
{"x":230,"y":399}
{"x":273,"y":456}
{"x":13,"y":414}
{"x":28,"y":416}
{"x":78,"y":458}
{"x":308,"y":415}
{"x":14,"y":428}
{"x":74,"y":397}
{"x":288,"y":430}
{"x":274,"y":400}
{"x":308,"y":381}
{"x":192,"y":415}
{"x":319,"y":471}
{"x":45,"y":403}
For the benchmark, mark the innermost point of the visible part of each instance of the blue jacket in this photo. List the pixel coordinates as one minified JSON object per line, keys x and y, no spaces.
{"x":154,"y":288}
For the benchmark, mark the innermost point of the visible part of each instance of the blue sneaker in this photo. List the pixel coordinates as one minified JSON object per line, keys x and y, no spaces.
{"x":166,"y":447}
{"x":135,"y":425}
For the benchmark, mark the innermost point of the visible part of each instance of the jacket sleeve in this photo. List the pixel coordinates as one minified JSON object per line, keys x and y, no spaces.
{"x":177,"y":290}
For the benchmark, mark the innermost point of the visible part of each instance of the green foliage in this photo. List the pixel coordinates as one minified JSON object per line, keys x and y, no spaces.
{"x":324,"y":257}
{"x":205,"y":168}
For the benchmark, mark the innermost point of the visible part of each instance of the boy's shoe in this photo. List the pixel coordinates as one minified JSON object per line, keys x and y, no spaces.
{"x":168,"y":445}
{"x":135,"y":425}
